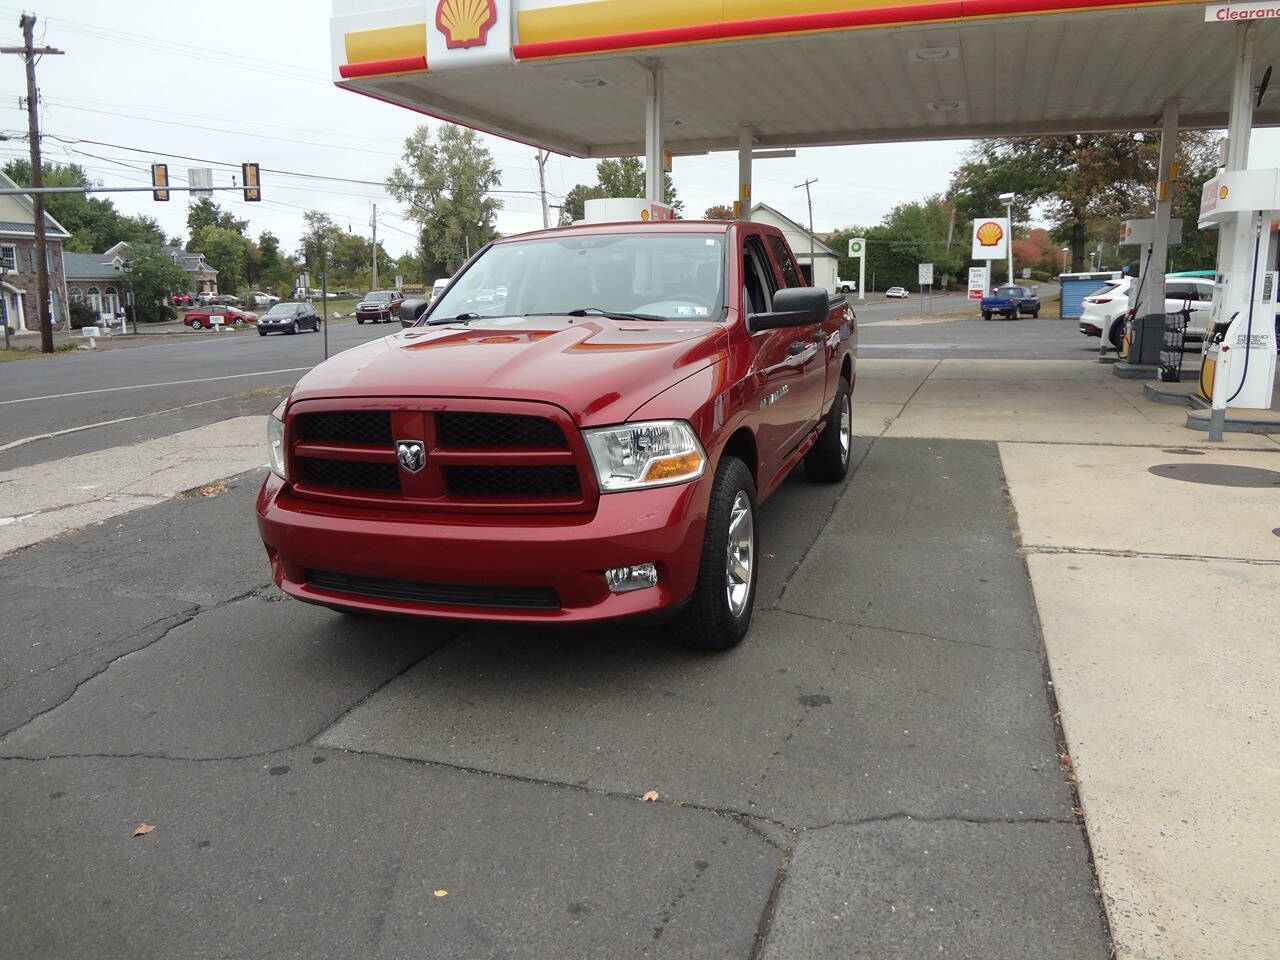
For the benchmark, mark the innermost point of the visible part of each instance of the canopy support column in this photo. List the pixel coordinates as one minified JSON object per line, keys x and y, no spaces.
{"x":653,"y":164}
{"x":1153,"y":287}
{"x":746,"y":143}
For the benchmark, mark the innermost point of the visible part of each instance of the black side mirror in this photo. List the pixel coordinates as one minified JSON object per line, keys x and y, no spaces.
{"x":792,"y":307}
{"x":411,"y":311}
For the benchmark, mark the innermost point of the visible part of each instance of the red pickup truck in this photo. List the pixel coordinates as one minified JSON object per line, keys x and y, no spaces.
{"x":582,"y":428}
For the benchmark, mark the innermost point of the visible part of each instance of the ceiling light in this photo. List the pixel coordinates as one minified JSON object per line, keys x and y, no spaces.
{"x":944,"y":106}
{"x":589,"y":83}
{"x":677,"y":121}
{"x":934,"y":54}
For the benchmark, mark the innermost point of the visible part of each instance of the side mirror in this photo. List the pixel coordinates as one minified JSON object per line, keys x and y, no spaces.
{"x":411,"y":311}
{"x":792,"y":307}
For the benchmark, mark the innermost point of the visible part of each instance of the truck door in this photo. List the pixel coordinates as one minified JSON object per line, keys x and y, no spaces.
{"x":777,"y":380}
{"x":818,"y":385}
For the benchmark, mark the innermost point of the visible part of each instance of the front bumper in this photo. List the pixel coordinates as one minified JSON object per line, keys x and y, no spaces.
{"x":565,"y":552}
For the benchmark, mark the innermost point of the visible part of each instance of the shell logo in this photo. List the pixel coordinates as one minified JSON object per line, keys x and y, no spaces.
{"x":990,"y":234}
{"x":465,"y":23}
{"x":1222,"y":194}
{"x":644,"y":214}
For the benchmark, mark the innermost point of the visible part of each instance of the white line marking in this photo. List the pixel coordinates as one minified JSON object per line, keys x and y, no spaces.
{"x":143,"y":386}
{"x":106,"y":423}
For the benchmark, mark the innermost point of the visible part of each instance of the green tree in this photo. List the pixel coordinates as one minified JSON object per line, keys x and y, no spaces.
{"x":154,"y":279}
{"x":317,"y":241}
{"x":1085,"y":183}
{"x":910,"y":234}
{"x":203,"y":212}
{"x":227,"y":252}
{"x":94,"y":223}
{"x":623,"y":177}
{"x":447,"y":183}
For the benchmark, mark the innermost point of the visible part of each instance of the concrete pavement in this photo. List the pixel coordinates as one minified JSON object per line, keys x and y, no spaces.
{"x":875,"y":772}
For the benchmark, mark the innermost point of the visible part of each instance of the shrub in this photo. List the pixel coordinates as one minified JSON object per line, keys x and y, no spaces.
{"x":82,"y":315}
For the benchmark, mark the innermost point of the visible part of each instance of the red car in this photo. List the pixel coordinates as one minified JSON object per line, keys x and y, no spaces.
{"x":593,"y":445}
{"x":202,"y":319}
{"x":379,"y":306}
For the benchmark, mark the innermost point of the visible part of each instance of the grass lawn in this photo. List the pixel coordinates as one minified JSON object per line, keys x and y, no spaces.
{"x":26,"y":353}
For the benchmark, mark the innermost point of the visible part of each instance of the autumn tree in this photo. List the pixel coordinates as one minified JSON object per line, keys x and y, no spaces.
{"x":447,"y":182}
{"x":720,"y":211}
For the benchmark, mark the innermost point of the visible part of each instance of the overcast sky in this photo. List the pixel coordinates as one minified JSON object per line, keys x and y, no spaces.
{"x":237,"y":81}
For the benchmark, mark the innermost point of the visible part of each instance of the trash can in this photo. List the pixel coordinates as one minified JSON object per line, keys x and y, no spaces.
{"x":1148,"y":339}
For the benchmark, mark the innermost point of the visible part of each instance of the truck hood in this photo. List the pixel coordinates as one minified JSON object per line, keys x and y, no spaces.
{"x":598,"y":370}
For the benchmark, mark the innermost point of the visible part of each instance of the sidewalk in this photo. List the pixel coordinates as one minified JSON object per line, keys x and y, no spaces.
{"x":1156,"y":598}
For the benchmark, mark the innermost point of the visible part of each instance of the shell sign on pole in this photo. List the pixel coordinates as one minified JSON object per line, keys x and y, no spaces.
{"x":990,"y":238}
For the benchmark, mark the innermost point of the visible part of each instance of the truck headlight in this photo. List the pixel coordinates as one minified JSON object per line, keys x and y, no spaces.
{"x":637,"y":455}
{"x":275,"y":446}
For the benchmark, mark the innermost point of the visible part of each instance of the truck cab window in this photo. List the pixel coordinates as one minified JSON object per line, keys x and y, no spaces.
{"x":758,"y":279}
{"x":790,"y":274}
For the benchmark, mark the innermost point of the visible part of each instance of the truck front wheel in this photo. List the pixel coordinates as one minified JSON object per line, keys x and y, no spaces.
{"x":719,"y":611}
{"x":828,"y":460}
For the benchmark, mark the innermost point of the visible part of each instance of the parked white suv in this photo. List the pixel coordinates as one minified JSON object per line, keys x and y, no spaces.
{"x":1105,"y":309}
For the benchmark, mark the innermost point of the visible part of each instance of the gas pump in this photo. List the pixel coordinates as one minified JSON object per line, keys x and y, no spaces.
{"x":1238,"y":366}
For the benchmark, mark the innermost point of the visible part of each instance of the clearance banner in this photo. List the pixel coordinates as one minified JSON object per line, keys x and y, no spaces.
{"x":382,"y":37}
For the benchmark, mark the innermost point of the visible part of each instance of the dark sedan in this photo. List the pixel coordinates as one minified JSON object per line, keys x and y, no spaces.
{"x":379,"y":306}
{"x":289,"y":318}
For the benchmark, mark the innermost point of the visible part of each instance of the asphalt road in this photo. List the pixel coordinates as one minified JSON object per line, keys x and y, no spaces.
{"x":872,"y":773}
{"x":183,"y":380}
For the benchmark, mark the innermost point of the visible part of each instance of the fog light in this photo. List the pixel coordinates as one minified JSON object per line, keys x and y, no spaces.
{"x":626,"y":579}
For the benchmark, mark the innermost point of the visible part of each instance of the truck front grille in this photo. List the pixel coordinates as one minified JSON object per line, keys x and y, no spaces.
{"x":350,"y":474}
{"x":436,"y":594}
{"x":512,"y":481}
{"x":497,"y":430}
{"x":483,"y":461}
{"x":346,"y":426}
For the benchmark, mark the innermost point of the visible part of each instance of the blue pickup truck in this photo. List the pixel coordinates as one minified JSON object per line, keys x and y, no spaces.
{"x":1012,"y":302}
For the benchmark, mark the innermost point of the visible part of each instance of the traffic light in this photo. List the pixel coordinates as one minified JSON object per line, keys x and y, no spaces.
{"x":252,"y":185}
{"x":159,"y":181}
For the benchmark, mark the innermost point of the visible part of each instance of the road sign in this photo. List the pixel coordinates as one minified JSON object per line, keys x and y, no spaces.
{"x":857,"y":246}
{"x":977,"y":283}
{"x":1026,"y":273}
{"x":200,"y":179}
{"x":925,"y":274}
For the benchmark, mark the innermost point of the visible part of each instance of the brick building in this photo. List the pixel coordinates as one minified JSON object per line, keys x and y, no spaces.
{"x":18,"y":285}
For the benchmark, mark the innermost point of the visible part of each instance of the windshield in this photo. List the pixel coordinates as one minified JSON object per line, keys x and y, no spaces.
{"x":378,"y":296}
{"x":665,"y":276}
{"x":280,"y":308}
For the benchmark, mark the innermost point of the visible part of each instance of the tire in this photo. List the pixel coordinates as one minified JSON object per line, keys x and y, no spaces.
{"x":262,"y":333}
{"x":709,"y":622}
{"x":828,"y":460}
{"x":986,"y":315}
{"x":293,"y":329}
{"x":1116,"y":335}
{"x":1017,"y":313}
{"x":360,"y":320}
{"x":195,"y":325}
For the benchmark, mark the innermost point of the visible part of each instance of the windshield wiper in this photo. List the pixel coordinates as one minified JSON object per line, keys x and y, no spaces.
{"x":460,"y":318}
{"x":598,"y":312}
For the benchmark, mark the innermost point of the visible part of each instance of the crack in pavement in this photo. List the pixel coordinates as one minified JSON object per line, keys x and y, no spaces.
{"x":906,"y":633}
{"x":1145,"y":554}
{"x":180,"y":620}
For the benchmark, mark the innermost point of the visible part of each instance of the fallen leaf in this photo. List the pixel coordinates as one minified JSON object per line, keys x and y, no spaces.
{"x":441,"y":893}
{"x":143,"y":829}
{"x":1078,"y":811}
{"x":650,"y":796}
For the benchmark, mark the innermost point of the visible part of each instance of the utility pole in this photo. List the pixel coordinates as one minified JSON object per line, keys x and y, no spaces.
{"x":813,"y":266}
{"x":374,"y":222}
{"x":28,"y":52}
{"x":541,"y":156}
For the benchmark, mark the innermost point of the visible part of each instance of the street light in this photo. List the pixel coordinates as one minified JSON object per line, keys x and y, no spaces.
{"x":127,"y":267}
{"x":4,"y":301}
{"x":1065,"y":251}
{"x":1007,"y":199}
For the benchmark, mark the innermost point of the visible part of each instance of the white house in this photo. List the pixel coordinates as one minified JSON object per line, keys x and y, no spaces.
{"x":822,"y":270}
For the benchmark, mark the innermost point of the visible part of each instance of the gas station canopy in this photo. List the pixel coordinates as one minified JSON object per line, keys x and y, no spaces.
{"x":570,"y":75}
